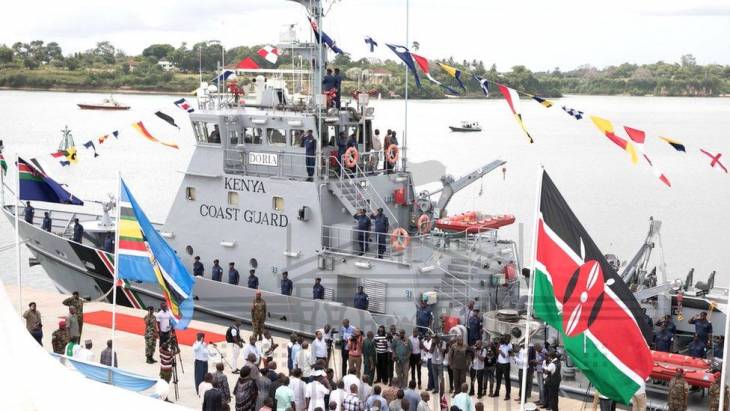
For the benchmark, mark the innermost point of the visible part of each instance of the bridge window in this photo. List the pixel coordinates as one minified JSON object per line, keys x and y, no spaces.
{"x":276,"y":136}
{"x":232,"y":198}
{"x":296,"y":136}
{"x":278,"y":203}
{"x":234,"y":136}
{"x":252,"y":135}
{"x":190,"y":193}
{"x":206,"y":132}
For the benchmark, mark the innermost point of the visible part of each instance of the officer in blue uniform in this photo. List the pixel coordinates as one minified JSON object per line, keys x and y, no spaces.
{"x":318,"y":289}
{"x":109,"y":243}
{"x":703,"y":328}
{"x":697,"y":348}
{"x":338,"y":86}
{"x":362,"y":301}
{"x":47,"y":222}
{"x":380,"y":226}
{"x":310,"y":150}
{"x":328,"y":81}
{"x":29,"y":212}
{"x":341,"y":147}
{"x":78,"y":231}
{"x":233,"y":276}
{"x":363,"y":227}
{"x":664,"y":339}
{"x":286,"y":284}
{"x":216,"y":272}
{"x":253,"y":281}
{"x":474,"y":328}
{"x":667,"y":320}
{"x":198,"y":268}
{"x":424,"y":317}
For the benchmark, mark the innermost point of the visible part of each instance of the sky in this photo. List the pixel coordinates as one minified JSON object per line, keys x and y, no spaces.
{"x":538,"y":34}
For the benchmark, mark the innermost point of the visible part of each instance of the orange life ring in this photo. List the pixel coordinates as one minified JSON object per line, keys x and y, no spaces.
{"x":424,"y":224}
{"x":392,"y":153}
{"x":350,"y":157}
{"x":399,"y":239}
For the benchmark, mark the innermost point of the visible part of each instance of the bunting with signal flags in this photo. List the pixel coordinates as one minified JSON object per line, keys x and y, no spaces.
{"x":483,"y":83}
{"x":606,"y":128}
{"x":453,"y":72}
{"x":424,"y":65}
{"x":513,"y":100}
{"x":90,"y":145}
{"x":370,"y":42}
{"x":142,"y":130}
{"x":327,"y":40}
{"x":405,"y":55}
{"x":674,"y":143}
{"x":577,"y":114}
{"x":714,"y":160}
{"x":639,"y":137}
{"x":545,"y":102}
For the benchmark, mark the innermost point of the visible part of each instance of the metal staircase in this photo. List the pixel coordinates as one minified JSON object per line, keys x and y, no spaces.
{"x":355,"y":192}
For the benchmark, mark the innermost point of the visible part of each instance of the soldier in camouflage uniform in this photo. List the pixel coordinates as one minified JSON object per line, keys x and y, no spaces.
{"x":678,"y":392}
{"x":59,"y":338}
{"x":715,"y":394}
{"x":258,"y":315}
{"x":150,"y":335}
{"x":76,"y":302}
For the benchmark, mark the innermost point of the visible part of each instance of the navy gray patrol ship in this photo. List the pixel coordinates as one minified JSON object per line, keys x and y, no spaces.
{"x":247,"y":197}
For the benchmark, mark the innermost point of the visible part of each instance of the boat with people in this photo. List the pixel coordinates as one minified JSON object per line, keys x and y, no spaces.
{"x":466,"y":126}
{"x":107,"y":104}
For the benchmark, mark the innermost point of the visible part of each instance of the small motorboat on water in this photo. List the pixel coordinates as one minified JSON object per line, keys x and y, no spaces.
{"x":466,"y":126}
{"x":472,"y":222}
{"x":107,"y":104}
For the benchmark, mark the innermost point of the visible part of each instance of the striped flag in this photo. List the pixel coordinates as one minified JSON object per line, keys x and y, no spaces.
{"x":182,"y":104}
{"x":580,"y":295}
{"x":573,"y":112}
{"x":639,"y":137}
{"x":142,"y":130}
{"x":423,"y":64}
{"x":674,"y":143}
{"x":606,"y":128}
{"x":404,"y":54}
{"x":35,"y":185}
{"x":144,"y":256}
{"x":483,"y":83}
{"x":453,"y":72}
{"x":513,"y":100}
{"x":545,"y":102}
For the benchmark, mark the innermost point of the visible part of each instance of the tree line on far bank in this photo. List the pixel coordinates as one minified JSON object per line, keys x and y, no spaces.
{"x":43,"y":65}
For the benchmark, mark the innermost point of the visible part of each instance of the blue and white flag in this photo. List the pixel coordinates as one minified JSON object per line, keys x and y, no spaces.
{"x":90,"y":145}
{"x":223,"y":76}
{"x":325,"y":38}
{"x":369,"y":41}
{"x":483,"y":83}
{"x":404,"y":54}
{"x":573,"y":112}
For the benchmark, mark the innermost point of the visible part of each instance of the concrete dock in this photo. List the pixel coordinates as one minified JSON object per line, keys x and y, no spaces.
{"x":131,"y":350}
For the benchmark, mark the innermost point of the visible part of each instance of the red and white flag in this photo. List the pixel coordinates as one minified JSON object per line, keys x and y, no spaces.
{"x":269,"y":53}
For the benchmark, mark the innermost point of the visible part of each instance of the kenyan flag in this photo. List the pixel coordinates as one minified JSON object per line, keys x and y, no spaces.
{"x":580,"y":295}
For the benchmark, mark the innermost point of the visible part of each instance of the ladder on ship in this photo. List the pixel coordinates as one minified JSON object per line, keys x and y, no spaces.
{"x":355,"y":192}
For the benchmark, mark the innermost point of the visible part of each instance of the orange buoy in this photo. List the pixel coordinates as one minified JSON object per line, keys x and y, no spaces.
{"x":392,"y":154}
{"x":424,"y":224}
{"x":350,"y":157}
{"x":399,"y":239}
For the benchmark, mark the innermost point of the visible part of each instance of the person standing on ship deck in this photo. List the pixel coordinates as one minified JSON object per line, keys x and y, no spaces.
{"x":233,"y":275}
{"x":253,"y":281}
{"x":338,"y":87}
{"x":47,"y":222}
{"x":198,"y":268}
{"x":361,"y":300}
{"x":318,"y":289}
{"x":363,"y":230}
{"x":286,"y":284}
{"x":258,"y":315}
{"x":29,"y":213}
{"x":380,"y":227}
{"x":703,"y":328}
{"x":216,"y":272}
{"x":78,"y":234}
{"x":310,"y":150}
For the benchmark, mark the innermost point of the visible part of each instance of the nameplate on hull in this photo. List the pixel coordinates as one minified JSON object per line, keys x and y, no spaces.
{"x":263,"y":159}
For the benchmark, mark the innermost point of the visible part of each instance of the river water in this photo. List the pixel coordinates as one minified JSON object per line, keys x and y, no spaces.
{"x":613,"y":198}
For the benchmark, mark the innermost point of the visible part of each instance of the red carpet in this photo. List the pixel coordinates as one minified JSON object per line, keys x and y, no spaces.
{"x":135,"y":325}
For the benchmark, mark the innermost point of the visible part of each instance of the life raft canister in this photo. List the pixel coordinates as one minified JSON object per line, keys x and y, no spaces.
{"x":392,"y":154}
{"x":424,"y":224}
{"x":399,"y":239}
{"x":351,"y":157}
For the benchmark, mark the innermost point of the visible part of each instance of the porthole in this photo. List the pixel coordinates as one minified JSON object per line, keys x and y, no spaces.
{"x":189,"y":249}
{"x":253,"y":263}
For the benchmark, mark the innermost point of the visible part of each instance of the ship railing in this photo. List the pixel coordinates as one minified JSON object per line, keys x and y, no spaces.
{"x":460,"y":292}
{"x":267,"y":162}
{"x":370,"y":163}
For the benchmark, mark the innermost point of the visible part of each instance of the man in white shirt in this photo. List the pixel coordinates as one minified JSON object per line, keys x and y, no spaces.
{"x":338,"y":396}
{"x":350,"y":379}
{"x":315,"y":392}
{"x":252,"y":348}
{"x":366,"y":390}
{"x":426,"y":359}
{"x":327,"y":335}
{"x":85,"y":354}
{"x":319,"y":346}
{"x":477,"y":369}
{"x":234,"y":340}
{"x":503,"y":366}
{"x":462,"y":400}
{"x":414,"y":362}
{"x":305,"y":361}
{"x":164,"y":322}
{"x":266,"y":347}
{"x":200,"y":349}
{"x":298,"y":387}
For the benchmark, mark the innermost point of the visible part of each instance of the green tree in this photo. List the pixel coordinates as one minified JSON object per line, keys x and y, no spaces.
{"x":106,"y":51}
{"x":158,"y":51}
{"x":6,"y":54}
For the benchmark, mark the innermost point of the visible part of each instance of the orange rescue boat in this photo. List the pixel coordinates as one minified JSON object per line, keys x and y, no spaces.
{"x":473,"y":222}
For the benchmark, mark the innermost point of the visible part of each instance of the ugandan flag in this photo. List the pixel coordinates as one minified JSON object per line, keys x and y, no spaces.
{"x":576,"y":292}
{"x":144,"y":256}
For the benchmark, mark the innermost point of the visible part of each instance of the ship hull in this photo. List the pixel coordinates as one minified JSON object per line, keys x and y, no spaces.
{"x":107,"y":108}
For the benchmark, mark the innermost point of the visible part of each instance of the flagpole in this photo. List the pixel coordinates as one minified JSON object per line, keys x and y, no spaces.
{"x":405,"y":127}
{"x":17,"y":231}
{"x":116,"y":266}
{"x":531,"y":295}
{"x":723,"y":378}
